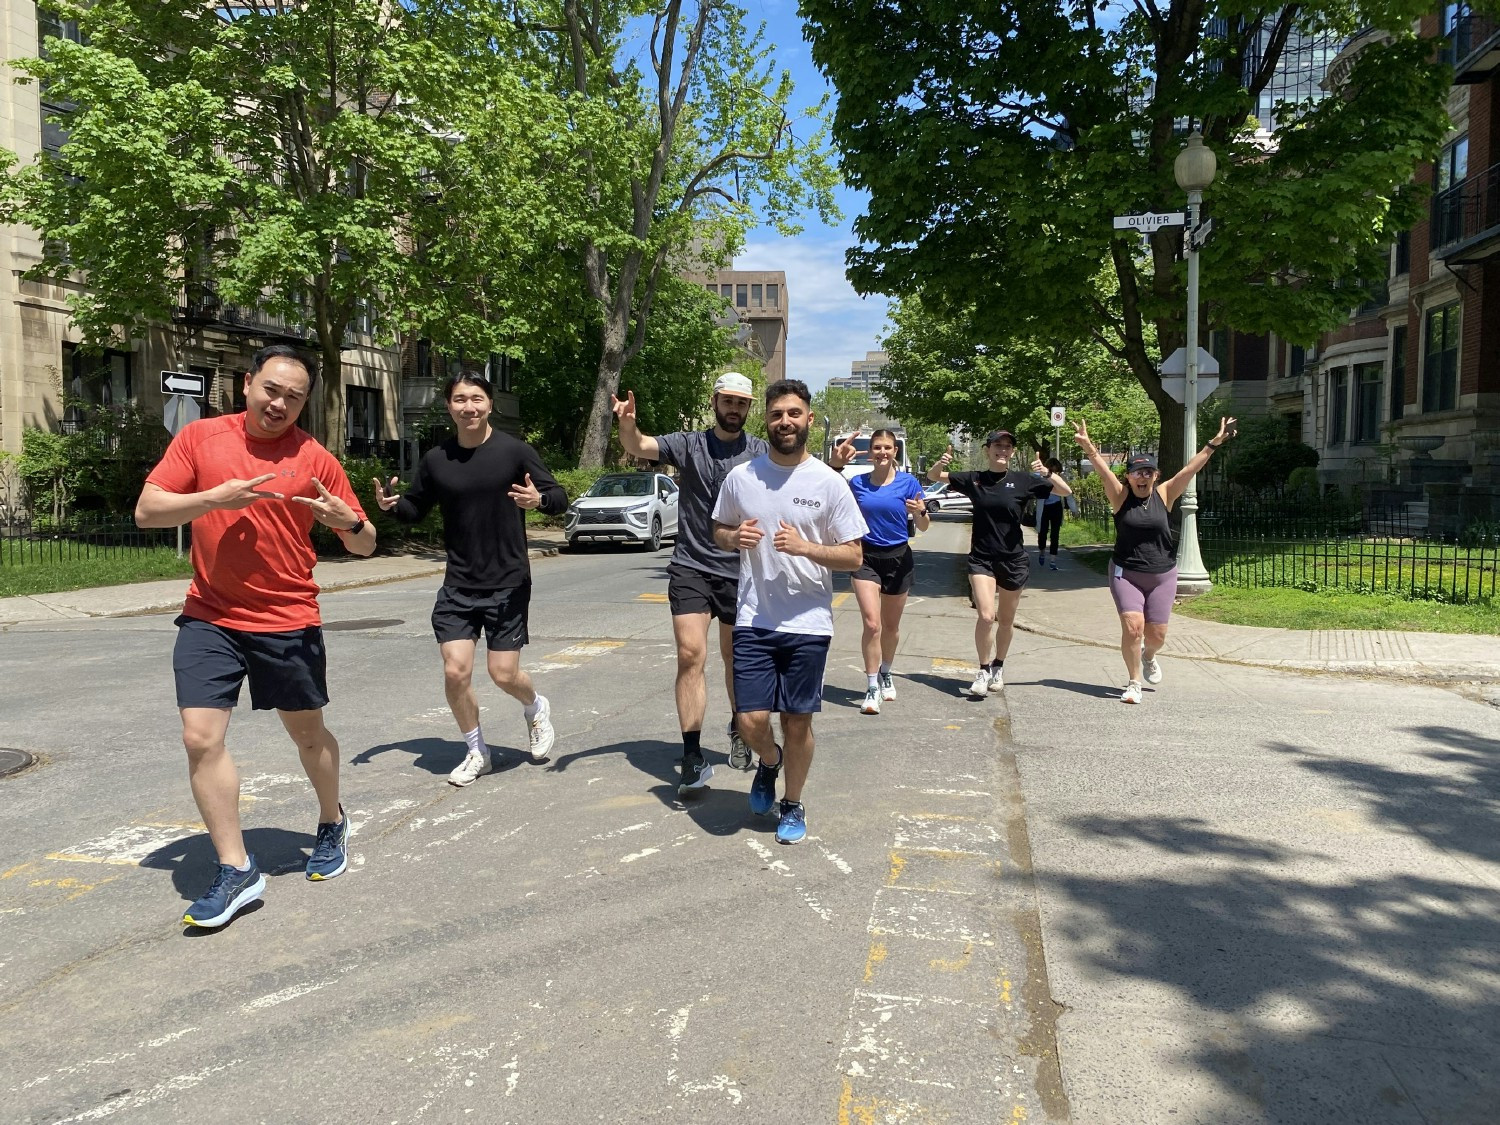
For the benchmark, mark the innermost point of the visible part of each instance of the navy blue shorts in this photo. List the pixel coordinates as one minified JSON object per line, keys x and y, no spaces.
{"x":778,"y":671}
{"x":287,"y":671}
{"x":460,"y":615}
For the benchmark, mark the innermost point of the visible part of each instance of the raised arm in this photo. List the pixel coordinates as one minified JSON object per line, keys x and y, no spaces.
{"x":632,"y":441}
{"x":1114,"y":489}
{"x":1174,"y":488}
{"x":1060,"y":487}
{"x":937,"y":472}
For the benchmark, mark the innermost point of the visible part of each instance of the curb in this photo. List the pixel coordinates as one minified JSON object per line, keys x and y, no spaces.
{"x":1414,"y":671}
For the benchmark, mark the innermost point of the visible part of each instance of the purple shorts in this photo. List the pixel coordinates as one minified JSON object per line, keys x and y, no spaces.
{"x":1148,"y":594}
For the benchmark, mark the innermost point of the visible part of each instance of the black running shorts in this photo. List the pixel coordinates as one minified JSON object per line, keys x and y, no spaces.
{"x":1010,"y":572}
{"x":460,"y":614}
{"x":892,"y":567}
{"x":287,"y":671}
{"x":690,"y":590}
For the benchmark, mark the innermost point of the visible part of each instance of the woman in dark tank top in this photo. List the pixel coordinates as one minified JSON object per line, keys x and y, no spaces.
{"x":1143,"y":567}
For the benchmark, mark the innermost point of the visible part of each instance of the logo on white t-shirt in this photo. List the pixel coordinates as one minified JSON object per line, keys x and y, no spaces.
{"x":807,"y":503}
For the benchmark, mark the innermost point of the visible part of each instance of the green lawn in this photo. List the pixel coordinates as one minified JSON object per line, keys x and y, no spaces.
{"x":111,"y":568}
{"x":1278,"y":607}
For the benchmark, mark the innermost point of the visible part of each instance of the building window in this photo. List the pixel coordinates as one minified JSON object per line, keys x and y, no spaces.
{"x":1401,"y":263}
{"x":755,"y":291}
{"x":424,"y":359}
{"x":1338,"y":404}
{"x":362,"y":407}
{"x":1366,"y":403}
{"x":741,"y":296}
{"x":1447,"y":205}
{"x":1398,"y":372}
{"x":773,"y":296}
{"x":502,"y":370}
{"x":1296,"y":361}
{"x":1440,"y":360}
{"x":727,"y":292}
{"x":96,"y":378}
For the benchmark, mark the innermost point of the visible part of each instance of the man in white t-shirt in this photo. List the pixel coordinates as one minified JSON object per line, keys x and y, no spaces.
{"x":794,"y":522}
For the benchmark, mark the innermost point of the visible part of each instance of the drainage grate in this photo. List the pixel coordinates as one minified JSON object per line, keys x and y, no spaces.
{"x":357,"y":623}
{"x":13,"y":761}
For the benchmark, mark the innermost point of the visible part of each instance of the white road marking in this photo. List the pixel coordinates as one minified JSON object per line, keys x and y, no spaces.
{"x":270,"y":1000}
{"x":125,"y":846}
{"x":155,"y":1094}
{"x":771,"y":864}
{"x":639,"y":855}
{"x":622,"y":831}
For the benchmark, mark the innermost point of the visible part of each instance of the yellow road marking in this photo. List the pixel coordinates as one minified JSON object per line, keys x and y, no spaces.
{"x":942,"y":663}
{"x":877,"y":955}
{"x":957,"y":964}
{"x":898,"y":861}
{"x":657,"y":598}
{"x":840,"y":599}
{"x":16,"y":870}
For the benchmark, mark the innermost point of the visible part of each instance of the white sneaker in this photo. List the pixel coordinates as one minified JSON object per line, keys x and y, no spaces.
{"x":542,"y":734}
{"x":997,"y":679}
{"x":1132,"y":692}
{"x":1151,"y":671}
{"x":981,"y":685}
{"x":871,"y":705}
{"x":887,"y":686}
{"x":470,"y":770}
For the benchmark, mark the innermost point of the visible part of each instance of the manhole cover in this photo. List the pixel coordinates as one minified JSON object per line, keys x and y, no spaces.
{"x":358,"y":623}
{"x":13,"y":761}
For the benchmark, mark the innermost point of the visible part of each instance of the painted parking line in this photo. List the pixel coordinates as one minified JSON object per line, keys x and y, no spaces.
{"x":657,"y":599}
{"x":574,"y":655}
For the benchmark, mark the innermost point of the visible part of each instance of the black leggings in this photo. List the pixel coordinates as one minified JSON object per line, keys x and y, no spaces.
{"x":1051,"y":520}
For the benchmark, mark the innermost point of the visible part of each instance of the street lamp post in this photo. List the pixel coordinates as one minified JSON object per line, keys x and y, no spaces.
{"x":1194,"y":170}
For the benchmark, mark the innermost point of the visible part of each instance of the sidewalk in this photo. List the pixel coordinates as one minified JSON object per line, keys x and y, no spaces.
{"x":166,"y":596}
{"x":1073,"y":604}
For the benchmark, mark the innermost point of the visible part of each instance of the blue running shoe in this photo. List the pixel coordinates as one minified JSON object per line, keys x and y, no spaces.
{"x":330,"y":855}
{"x":763,"y":788}
{"x":232,"y":891}
{"x":793,"y":826}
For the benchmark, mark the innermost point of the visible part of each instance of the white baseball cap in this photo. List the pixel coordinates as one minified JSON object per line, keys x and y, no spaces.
{"x":733,"y":383}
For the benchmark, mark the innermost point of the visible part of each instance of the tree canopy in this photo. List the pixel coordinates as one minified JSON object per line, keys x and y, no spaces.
{"x":997,"y":141}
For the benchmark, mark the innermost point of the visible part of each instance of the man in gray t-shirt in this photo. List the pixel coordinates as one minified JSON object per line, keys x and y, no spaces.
{"x":702,"y":578}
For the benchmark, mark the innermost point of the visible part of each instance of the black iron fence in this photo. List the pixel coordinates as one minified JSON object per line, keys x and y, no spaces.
{"x":38,"y":542}
{"x":1334,"y":543}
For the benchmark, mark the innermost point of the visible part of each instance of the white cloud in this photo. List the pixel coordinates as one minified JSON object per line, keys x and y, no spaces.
{"x":831,"y":324}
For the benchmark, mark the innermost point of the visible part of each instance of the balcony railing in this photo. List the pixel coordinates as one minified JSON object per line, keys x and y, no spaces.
{"x":1473,"y":47}
{"x":204,"y":306}
{"x":1467,"y":215}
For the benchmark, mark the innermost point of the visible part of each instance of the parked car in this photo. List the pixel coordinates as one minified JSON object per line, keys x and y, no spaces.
{"x":632,"y":507}
{"x":941,"y":498}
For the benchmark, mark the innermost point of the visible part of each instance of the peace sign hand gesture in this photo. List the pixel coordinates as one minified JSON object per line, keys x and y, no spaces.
{"x":1081,"y":435}
{"x":525,"y":495}
{"x":328,"y":509}
{"x":387,"y":500}
{"x":233,"y":495}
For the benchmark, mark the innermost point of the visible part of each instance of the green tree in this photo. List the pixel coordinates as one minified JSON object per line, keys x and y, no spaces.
{"x":319,"y":162}
{"x":681,"y":141}
{"x":938,"y":373}
{"x":996,"y":142}
{"x":849,"y":409}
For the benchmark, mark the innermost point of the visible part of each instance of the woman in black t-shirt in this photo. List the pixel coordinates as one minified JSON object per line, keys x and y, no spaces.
{"x":998,"y":563}
{"x":1143,"y":569}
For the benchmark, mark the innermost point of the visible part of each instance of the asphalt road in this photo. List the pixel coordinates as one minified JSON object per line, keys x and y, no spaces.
{"x":1257,"y":897}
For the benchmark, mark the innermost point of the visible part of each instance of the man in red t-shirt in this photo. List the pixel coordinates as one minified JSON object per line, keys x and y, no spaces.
{"x":252,"y":485}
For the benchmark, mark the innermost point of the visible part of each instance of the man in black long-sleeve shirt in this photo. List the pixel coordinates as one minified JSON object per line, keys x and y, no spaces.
{"x":481,"y":479}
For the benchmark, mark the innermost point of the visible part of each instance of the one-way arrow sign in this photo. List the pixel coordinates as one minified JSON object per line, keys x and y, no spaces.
{"x":183,"y":383}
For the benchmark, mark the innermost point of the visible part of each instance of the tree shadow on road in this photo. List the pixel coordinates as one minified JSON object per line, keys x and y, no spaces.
{"x":1320,"y":994}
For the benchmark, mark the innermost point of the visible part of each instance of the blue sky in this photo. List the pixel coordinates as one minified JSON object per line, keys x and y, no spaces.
{"x":831,"y":325}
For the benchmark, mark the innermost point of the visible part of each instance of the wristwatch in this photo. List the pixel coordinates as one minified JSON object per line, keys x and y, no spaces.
{"x":354,"y":529}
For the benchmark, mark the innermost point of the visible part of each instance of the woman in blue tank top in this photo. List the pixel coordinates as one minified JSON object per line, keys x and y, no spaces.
{"x":1143,"y":569}
{"x":888,"y":499}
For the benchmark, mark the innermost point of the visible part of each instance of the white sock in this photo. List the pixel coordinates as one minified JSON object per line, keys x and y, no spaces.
{"x":475,"y":739}
{"x":874,"y":680}
{"x":532,"y":708}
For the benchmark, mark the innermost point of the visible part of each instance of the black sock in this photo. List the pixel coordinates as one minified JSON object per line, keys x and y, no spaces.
{"x":691,"y":747}
{"x":996,"y":665}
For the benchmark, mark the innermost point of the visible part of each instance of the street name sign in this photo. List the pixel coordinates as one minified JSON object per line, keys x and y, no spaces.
{"x":183,"y":383}
{"x":1152,"y":220}
{"x":178,"y":411}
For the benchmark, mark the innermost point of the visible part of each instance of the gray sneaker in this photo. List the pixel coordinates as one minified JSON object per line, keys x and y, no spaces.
{"x":1151,"y":671}
{"x":739,"y":749}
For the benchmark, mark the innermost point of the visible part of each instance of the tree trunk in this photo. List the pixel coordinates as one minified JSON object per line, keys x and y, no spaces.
{"x":606,"y":384}
{"x":332,"y":377}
